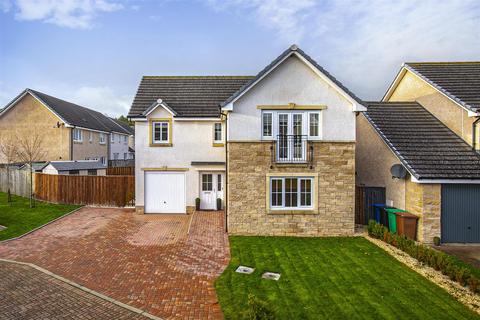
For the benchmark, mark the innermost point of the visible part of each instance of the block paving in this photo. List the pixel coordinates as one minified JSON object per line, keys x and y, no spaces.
{"x":146,"y":261}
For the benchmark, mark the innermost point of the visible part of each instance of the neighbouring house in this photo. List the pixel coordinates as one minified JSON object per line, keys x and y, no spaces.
{"x":76,"y":168}
{"x":69,"y":131}
{"x":120,"y":143}
{"x":427,"y":124}
{"x":278,"y":148}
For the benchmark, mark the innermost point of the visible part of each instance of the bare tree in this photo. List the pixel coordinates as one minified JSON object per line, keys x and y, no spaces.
{"x":9,"y":150}
{"x":31,"y":150}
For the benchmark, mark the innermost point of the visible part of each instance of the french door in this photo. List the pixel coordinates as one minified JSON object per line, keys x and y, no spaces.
{"x":291,"y":143}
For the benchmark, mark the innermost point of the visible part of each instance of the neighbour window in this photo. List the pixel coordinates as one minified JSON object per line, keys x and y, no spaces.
{"x":125,"y":156}
{"x":119,"y":138}
{"x":267,"y":124}
{"x":115,"y":156}
{"x":92,"y":172}
{"x":77,"y":135}
{"x":90,"y":136}
{"x":160,"y":132}
{"x":314,"y":119}
{"x":74,"y":172}
{"x":103,"y":160}
{"x":101,"y":138}
{"x":112,"y":137}
{"x":125,"y":139}
{"x":207,"y":182}
{"x":217,"y":132}
{"x":291,"y":192}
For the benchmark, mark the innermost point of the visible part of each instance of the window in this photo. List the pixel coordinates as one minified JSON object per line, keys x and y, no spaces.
{"x":112,"y":137}
{"x":291,"y":193}
{"x":74,"y":172}
{"x":103,"y":160}
{"x":101,"y":138}
{"x":125,"y":139}
{"x":115,"y":156}
{"x":92,"y":172}
{"x":267,"y":124}
{"x":77,"y":135}
{"x":207,"y":182}
{"x":160,"y":132}
{"x":90,"y":136}
{"x":314,"y":120}
{"x":119,"y":138}
{"x":217,"y":132}
{"x":125,"y":156}
{"x":219,"y":182}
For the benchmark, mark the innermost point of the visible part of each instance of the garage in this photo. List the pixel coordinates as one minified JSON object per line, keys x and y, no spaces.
{"x":460,"y":213}
{"x":164,"y":192}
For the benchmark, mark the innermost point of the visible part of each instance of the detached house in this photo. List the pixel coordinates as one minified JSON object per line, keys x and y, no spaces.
{"x":69,"y":131}
{"x":427,"y":123}
{"x":277,"y":148}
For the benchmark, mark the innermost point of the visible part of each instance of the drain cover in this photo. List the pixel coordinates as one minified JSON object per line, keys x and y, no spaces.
{"x":2,"y":227}
{"x":271,"y":276}
{"x":245,"y":270}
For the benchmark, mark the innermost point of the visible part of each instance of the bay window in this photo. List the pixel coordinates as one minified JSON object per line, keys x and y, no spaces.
{"x":291,"y":192}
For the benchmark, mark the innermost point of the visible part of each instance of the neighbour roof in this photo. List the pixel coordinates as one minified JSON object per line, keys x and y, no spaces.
{"x":293,"y":49}
{"x":75,"y":115}
{"x":76,"y":165}
{"x":123,"y":126}
{"x":187,"y":96}
{"x":460,"y":81}
{"x":425,"y":146}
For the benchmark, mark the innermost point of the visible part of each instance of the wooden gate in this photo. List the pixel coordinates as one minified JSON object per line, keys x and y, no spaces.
{"x":365,"y":198}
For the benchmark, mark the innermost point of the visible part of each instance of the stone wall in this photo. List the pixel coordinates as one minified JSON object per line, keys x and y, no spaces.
{"x":248,"y":166}
{"x":424,"y":200}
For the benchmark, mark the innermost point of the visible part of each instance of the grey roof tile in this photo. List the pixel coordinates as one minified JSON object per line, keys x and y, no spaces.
{"x":188,"y":96}
{"x":77,"y":165}
{"x":425,"y":146}
{"x":458,"y":80}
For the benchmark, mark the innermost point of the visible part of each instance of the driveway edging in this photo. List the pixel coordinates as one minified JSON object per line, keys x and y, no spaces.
{"x":85,"y":289}
{"x":43,"y":225}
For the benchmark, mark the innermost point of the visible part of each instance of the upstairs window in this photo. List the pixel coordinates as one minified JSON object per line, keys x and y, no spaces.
{"x":77,"y":135}
{"x":101,"y":138}
{"x":125,"y":139}
{"x":161,"y":132}
{"x":90,"y":136}
{"x":217,"y":132}
{"x":314,"y":124}
{"x":267,"y":124}
{"x":112,"y":137}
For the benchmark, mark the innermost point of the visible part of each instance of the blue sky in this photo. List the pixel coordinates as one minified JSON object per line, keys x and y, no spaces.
{"x":94,"y":52}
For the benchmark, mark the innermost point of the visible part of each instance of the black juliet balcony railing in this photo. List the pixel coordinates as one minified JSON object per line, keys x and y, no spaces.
{"x":292,"y":149}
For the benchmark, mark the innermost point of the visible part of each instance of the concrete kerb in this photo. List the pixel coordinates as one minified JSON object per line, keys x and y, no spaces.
{"x":85,"y":289}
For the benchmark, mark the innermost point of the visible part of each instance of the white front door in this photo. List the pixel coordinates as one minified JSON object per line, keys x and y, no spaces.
{"x":164,"y":192}
{"x":211,"y":188}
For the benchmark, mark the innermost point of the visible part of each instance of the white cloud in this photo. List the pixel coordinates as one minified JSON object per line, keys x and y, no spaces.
{"x":364,"y":42}
{"x":76,"y":14}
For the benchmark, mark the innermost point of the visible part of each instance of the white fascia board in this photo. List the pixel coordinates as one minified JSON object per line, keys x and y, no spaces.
{"x":355,"y":104}
{"x":163,"y":106}
{"x":445,"y":181}
{"x":88,"y":129}
{"x":139,"y":119}
{"x":228,"y":107}
{"x":471,"y":114}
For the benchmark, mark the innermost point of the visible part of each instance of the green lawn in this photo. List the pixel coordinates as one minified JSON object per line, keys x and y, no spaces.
{"x":19,"y":218}
{"x":330,"y":278}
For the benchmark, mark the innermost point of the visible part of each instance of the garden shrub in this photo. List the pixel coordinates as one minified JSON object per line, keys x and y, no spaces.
{"x":436,"y":259}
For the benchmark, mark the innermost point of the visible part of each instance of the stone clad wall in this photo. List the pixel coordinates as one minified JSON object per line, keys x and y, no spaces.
{"x":248,"y":165}
{"x":424,"y":200}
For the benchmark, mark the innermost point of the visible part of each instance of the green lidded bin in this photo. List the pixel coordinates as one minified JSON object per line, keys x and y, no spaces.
{"x":392,"y":218}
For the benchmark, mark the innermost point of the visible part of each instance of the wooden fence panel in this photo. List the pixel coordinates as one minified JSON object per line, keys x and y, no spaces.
{"x":93,"y":190}
{"x":120,"y":171}
{"x":19,"y":181}
{"x":360,"y":205}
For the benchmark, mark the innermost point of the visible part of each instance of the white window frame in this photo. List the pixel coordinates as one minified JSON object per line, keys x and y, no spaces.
{"x":299,"y":194}
{"x":125,"y":140}
{"x":112,"y":137}
{"x":319,"y":125}
{"x":215,"y":132}
{"x":90,"y":136}
{"x":161,"y":141}
{"x":77,"y":135}
{"x":101,"y":138}
{"x":103,"y":160}
{"x":305,"y":123}
{"x":266,"y":137}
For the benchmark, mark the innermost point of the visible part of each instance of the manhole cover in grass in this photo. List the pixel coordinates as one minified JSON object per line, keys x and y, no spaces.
{"x":2,"y":227}
{"x":271,"y":276}
{"x":245,"y":270}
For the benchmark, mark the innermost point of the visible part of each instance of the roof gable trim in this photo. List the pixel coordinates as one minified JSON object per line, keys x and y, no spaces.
{"x":155,"y":105}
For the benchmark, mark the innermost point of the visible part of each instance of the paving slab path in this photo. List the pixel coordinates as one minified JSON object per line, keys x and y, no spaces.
{"x":162,"y":264}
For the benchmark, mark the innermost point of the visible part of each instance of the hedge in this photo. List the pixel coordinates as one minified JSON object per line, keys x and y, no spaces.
{"x":440,"y":261}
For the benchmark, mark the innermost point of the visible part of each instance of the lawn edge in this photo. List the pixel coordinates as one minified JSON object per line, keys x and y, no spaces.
{"x":43,"y":225}
{"x":460,"y":293}
{"x":85,"y":289}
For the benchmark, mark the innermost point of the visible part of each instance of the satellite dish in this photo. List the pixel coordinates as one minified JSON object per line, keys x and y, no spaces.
{"x":159,"y":101}
{"x":398,"y":171}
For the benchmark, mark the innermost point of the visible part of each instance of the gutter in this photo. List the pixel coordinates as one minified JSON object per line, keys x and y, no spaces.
{"x":71,"y":142}
{"x":226,"y":170}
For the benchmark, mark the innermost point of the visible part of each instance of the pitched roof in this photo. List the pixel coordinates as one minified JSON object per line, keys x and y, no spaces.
{"x":125,"y":128}
{"x":426,"y":147}
{"x":291,"y":50}
{"x":76,"y":165}
{"x":460,"y":81}
{"x":187,"y":96}
{"x":73,"y":114}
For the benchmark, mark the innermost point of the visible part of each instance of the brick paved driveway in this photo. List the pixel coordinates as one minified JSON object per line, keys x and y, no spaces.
{"x":147,"y":261}
{"x":26,"y":293}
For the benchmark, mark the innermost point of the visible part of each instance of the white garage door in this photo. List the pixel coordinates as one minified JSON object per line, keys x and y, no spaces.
{"x":164,"y":192}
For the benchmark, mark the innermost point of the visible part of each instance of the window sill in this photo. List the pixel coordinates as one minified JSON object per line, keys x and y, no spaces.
{"x":161,"y":144}
{"x":294,"y":211}
{"x":218,"y":144}
{"x":77,"y":141}
{"x":102,"y":143}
